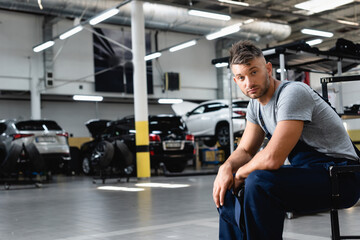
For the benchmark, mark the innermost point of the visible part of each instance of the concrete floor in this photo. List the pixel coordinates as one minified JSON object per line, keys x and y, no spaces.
{"x":74,"y":208}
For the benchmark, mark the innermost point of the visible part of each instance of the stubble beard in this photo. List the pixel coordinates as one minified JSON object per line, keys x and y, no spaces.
{"x":263,"y":90}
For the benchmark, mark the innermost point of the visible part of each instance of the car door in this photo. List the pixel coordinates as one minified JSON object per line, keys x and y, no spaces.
{"x":195,"y":119}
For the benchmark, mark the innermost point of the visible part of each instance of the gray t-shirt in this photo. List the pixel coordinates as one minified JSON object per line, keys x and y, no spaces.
{"x":323,"y":129}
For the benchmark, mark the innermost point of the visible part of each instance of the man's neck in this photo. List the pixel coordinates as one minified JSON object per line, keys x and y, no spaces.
{"x":274,"y":84}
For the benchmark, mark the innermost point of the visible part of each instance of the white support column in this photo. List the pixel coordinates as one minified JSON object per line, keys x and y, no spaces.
{"x":341,"y":104}
{"x":282,"y":66}
{"x":35,"y":99}
{"x":140,"y":89}
{"x":231,"y":127}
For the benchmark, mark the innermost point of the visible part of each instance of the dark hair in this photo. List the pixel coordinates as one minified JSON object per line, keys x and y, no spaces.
{"x":243,"y":52}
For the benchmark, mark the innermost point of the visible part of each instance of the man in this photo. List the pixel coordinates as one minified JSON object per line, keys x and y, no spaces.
{"x":303,"y":128}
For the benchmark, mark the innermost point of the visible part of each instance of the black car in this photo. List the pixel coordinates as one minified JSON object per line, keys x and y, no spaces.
{"x":114,"y":146}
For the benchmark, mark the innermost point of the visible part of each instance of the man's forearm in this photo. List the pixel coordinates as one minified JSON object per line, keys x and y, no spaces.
{"x":237,"y":159}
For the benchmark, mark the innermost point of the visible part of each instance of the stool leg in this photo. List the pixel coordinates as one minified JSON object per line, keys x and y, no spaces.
{"x":335,"y":229}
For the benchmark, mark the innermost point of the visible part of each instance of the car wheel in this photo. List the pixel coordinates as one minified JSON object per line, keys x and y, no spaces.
{"x":210,"y":142}
{"x":178,"y":166}
{"x":103,"y":153}
{"x":86,"y":165}
{"x":36,"y":161}
{"x":222,"y":135}
{"x":2,"y":153}
{"x":9,"y":164}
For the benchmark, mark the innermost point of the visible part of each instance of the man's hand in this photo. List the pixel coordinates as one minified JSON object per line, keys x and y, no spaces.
{"x":223,"y":181}
{"x":238,"y":181}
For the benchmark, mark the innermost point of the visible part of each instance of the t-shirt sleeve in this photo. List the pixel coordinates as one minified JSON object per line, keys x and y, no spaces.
{"x":295,"y":103}
{"x":250,"y":113}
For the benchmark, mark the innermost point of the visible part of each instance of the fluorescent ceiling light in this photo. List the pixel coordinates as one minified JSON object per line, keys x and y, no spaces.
{"x":103,"y":16}
{"x":125,"y":189}
{"x":209,"y":15}
{"x":248,"y":21}
{"x":169,"y":100}
{"x":269,"y":51}
{"x":152,"y":56}
{"x":316,"y":6}
{"x":347,"y":22}
{"x":219,"y":65}
{"x":162,"y":185}
{"x":314,"y":42}
{"x":43,"y":46}
{"x":316,"y":32}
{"x":223,"y":32}
{"x":234,"y":2}
{"x":71,"y":32}
{"x":88,"y":98}
{"x":183,"y":45}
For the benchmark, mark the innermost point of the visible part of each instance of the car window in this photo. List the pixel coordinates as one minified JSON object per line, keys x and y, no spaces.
{"x":215,"y":107}
{"x":241,"y":104}
{"x":198,"y":110}
{"x":165,"y":124}
{"x":37,"y":125}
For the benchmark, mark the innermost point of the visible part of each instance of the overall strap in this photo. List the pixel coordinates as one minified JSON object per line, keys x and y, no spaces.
{"x":268,"y":134}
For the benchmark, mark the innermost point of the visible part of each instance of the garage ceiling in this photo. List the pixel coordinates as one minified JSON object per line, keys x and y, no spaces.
{"x":280,"y":14}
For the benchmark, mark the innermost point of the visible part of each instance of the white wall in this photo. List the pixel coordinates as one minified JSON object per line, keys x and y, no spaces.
{"x":73,"y":71}
{"x":19,"y":33}
{"x":73,"y":63}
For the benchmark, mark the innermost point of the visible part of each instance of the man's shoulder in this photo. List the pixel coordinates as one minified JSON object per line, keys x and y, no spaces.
{"x":296,"y":88}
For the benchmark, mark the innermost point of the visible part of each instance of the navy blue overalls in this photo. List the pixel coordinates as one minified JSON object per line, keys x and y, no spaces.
{"x":302,"y":187}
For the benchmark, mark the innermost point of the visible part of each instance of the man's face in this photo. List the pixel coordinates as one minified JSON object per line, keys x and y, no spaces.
{"x":253,"y":78}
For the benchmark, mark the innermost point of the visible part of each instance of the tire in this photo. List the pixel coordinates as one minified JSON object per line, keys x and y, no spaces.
{"x":125,"y":153}
{"x":2,"y":153}
{"x":10,"y":161}
{"x":37,"y":163}
{"x":86,"y":165}
{"x":103,"y":153}
{"x":175,"y":167}
{"x":125,"y":157}
{"x":210,"y":142}
{"x":222,"y":135}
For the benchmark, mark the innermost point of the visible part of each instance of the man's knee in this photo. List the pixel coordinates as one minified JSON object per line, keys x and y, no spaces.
{"x":259,"y":180}
{"x":228,"y":209}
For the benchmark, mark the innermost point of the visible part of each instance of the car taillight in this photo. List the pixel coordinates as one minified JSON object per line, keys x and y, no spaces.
{"x":189,"y":137}
{"x":17,"y":136}
{"x":241,"y":113}
{"x":154,"y":138}
{"x":63,"y":134}
{"x":152,"y":153}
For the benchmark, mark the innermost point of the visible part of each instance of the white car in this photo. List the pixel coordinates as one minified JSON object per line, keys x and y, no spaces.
{"x":210,"y":120}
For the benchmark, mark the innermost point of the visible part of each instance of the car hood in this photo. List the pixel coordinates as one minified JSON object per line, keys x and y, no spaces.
{"x":96,"y":126}
{"x":181,"y":109}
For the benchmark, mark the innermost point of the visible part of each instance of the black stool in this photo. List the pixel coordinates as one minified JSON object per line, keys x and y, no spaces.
{"x":335,"y":171}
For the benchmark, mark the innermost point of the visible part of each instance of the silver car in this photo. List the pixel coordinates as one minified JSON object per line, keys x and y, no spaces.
{"x":46,"y":136}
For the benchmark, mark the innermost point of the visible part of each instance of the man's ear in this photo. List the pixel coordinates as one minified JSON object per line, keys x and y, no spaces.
{"x":269,"y":68}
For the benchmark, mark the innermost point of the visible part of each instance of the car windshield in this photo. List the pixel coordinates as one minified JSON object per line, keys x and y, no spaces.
{"x":37,"y":125}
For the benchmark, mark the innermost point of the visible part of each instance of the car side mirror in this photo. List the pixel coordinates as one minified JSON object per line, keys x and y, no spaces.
{"x":187,"y":114}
